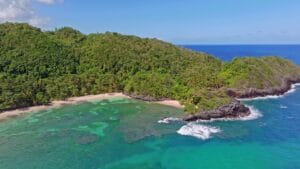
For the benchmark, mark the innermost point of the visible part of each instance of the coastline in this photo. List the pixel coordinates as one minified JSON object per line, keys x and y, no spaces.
{"x":213,"y":114}
{"x":236,"y":109}
{"x":169,"y":102}
{"x":287,"y":84}
{"x":78,"y":100}
{"x":291,"y":90}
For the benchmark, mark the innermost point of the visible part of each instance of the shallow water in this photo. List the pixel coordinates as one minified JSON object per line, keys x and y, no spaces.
{"x":123,"y":134}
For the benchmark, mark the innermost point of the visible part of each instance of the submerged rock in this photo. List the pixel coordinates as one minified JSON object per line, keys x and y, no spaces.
{"x":233,"y":110}
{"x":87,"y":139}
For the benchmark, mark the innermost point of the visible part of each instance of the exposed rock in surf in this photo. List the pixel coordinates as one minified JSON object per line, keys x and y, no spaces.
{"x":285,"y":86}
{"x":233,"y":110}
{"x":236,"y":109}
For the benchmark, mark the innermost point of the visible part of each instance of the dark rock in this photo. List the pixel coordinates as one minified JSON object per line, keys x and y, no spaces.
{"x":285,"y":86}
{"x":236,"y":109}
{"x":233,"y":110}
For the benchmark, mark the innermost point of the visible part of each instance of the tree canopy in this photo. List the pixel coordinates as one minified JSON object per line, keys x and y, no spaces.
{"x":38,"y":67}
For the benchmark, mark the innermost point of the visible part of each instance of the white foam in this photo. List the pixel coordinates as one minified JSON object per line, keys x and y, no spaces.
{"x":254,"y":114}
{"x":197,"y":130}
{"x":292,"y":90}
{"x":168,"y":120}
{"x":204,"y":132}
{"x":262,"y":98}
{"x":283,"y":107}
{"x":296,"y":84}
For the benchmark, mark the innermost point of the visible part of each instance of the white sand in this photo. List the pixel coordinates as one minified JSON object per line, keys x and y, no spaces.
{"x":55,"y":104}
{"x":76,"y":100}
{"x":173,"y":103}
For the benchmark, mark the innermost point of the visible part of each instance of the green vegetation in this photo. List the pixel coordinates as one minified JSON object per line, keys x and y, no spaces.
{"x":37,"y":67}
{"x":259,"y":73}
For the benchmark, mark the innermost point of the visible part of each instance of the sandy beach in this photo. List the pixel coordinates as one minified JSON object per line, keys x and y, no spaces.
{"x":173,"y":103}
{"x":76,"y":100}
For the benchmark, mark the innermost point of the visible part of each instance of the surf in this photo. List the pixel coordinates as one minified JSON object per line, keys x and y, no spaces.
{"x":198,"y":130}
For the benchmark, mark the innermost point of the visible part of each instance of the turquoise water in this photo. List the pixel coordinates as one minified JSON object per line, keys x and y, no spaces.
{"x":125,"y":134}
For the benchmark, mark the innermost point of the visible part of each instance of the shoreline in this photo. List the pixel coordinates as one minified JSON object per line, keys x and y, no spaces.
{"x":167,"y":102}
{"x":287,"y":85}
{"x":236,"y":109}
{"x":291,"y":90}
{"x":77,"y":100}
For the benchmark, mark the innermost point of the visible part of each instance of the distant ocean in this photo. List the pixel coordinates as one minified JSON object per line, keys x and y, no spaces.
{"x":228,"y":52}
{"x":130,"y":134}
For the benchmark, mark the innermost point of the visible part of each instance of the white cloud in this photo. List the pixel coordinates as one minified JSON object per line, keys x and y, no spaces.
{"x":22,"y":11}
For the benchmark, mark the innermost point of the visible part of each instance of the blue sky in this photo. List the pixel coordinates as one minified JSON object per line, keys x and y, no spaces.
{"x":179,"y":21}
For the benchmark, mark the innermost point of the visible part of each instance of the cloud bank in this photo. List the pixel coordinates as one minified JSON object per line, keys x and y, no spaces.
{"x":23,"y":11}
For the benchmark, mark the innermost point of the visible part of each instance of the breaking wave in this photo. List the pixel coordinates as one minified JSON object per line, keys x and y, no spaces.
{"x":168,"y":120}
{"x":283,"y":107}
{"x":292,"y":90}
{"x":204,"y":132}
{"x":254,"y":114}
{"x":197,"y":130}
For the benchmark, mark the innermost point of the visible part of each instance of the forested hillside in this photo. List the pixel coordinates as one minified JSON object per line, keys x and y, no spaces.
{"x":37,"y":67}
{"x":259,"y":73}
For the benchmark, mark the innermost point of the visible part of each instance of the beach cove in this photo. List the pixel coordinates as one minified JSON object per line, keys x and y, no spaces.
{"x":77,"y":100}
{"x":235,"y":113}
{"x":92,"y":132}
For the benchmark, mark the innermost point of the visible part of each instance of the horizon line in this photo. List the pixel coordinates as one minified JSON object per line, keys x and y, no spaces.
{"x":235,"y":44}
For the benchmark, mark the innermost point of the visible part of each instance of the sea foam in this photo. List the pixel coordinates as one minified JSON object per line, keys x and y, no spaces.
{"x":204,"y":132}
{"x":265,"y":97}
{"x":168,"y":120}
{"x":283,"y":107}
{"x":198,"y":130}
{"x":254,"y":114}
{"x":292,"y":90}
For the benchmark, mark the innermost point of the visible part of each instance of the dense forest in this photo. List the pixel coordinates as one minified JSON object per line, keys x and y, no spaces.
{"x":38,"y":67}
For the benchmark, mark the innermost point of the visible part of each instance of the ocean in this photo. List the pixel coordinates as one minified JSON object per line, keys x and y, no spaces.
{"x":129,"y":134}
{"x":228,"y":52}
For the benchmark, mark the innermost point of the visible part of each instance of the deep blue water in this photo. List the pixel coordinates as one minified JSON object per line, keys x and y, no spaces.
{"x":228,"y":52}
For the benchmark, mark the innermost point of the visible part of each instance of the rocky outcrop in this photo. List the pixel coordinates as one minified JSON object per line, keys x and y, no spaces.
{"x":233,"y":110}
{"x":236,"y":109}
{"x":285,"y":86}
